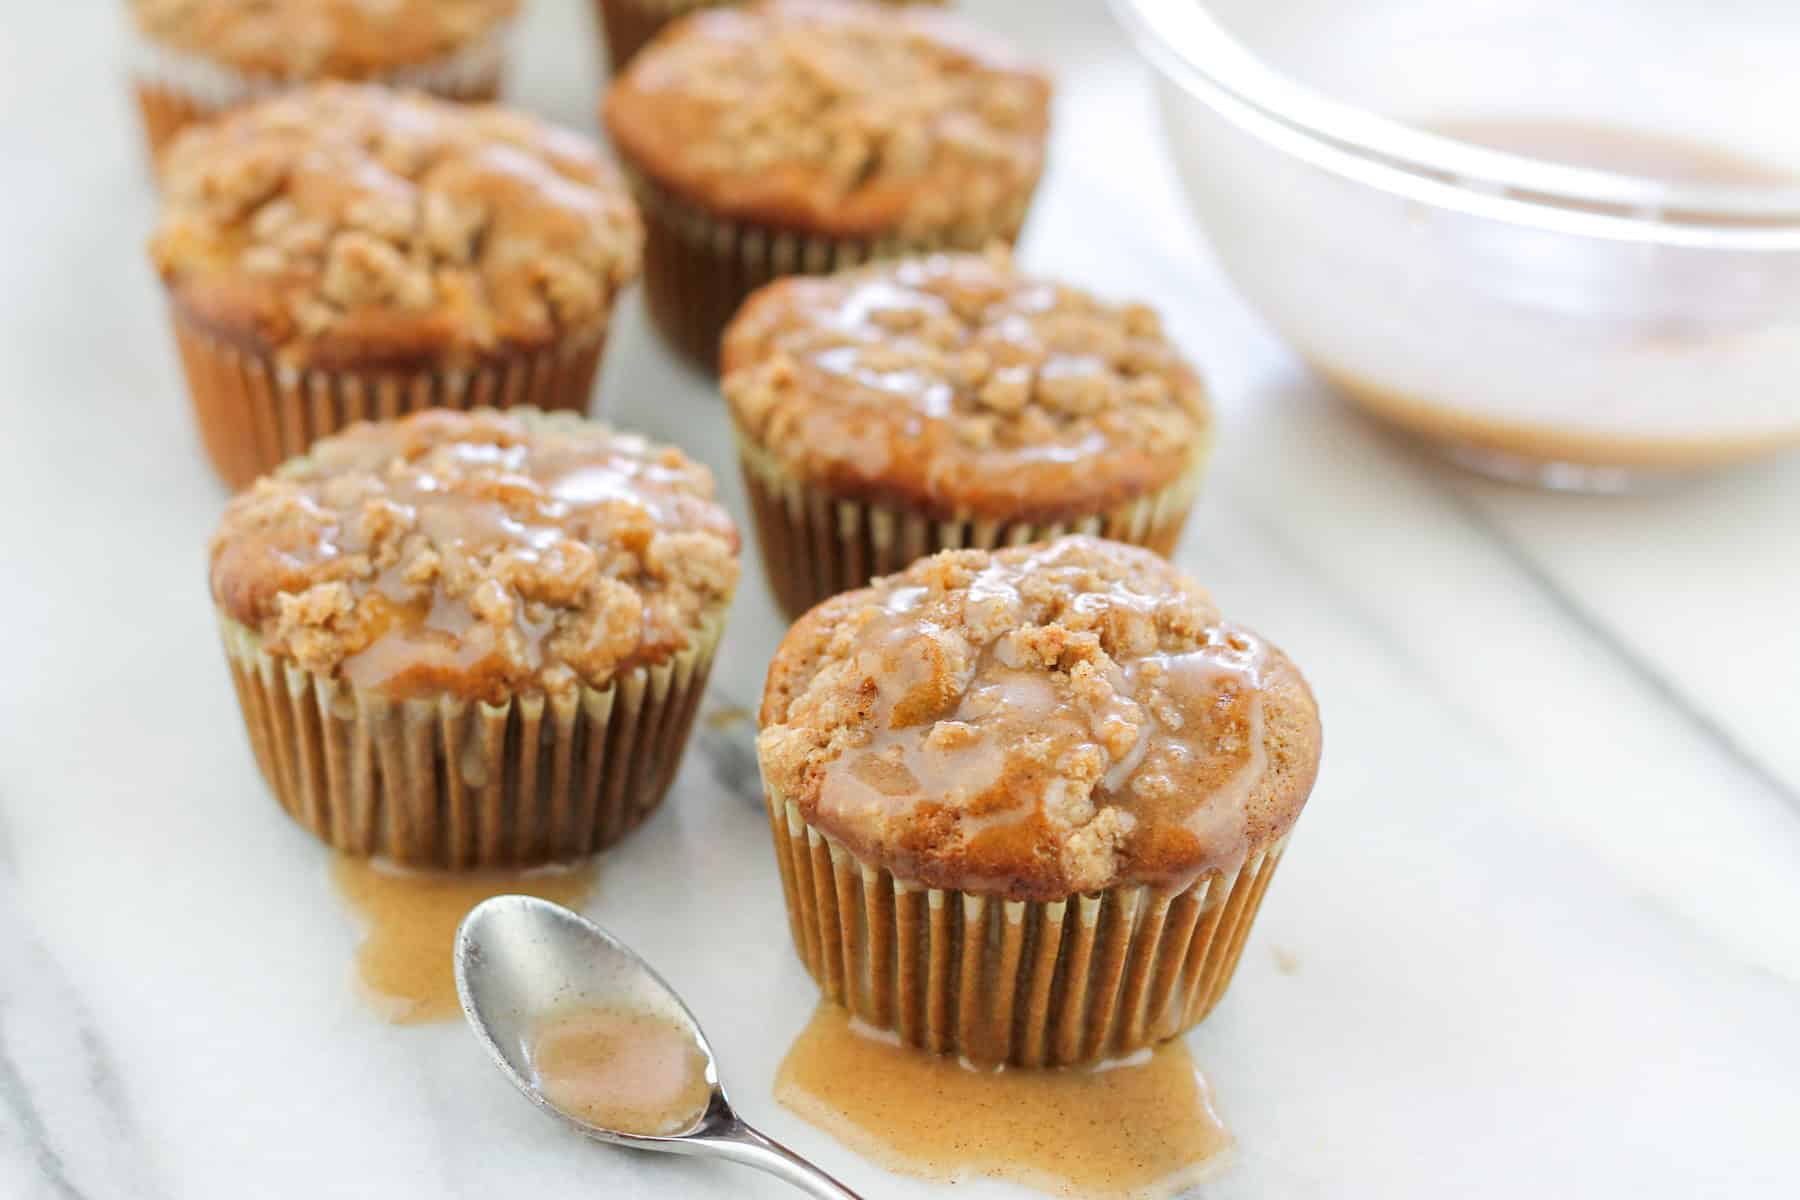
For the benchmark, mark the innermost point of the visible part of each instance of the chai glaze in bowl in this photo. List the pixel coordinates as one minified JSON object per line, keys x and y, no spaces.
{"x":1560,"y":243}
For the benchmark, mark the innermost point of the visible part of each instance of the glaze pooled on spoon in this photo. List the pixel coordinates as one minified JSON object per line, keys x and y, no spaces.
{"x":586,"y":1029}
{"x":620,"y":1069}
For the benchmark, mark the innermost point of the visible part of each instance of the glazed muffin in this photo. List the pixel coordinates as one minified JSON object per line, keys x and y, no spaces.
{"x":803,"y":136}
{"x":473,"y":639}
{"x":193,"y":59}
{"x":946,"y":402}
{"x":1026,"y":802}
{"x":346,"y":252}
{"x":629,"y":24}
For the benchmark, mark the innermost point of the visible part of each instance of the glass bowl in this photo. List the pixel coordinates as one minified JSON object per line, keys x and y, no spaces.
{"x":1559,"y":242}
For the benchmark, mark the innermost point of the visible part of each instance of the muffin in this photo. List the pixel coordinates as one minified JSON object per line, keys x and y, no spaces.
{"x":1026,"y":802}
{"x":193,"y":59}
{"x":948,"y":402}
{"x":628,"y":24}
{"x":473,"y":639}
{"x":803,"y":136}
{"x":345,"y":252}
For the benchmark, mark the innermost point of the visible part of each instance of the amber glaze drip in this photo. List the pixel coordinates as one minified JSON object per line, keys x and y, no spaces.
{"x":403,"y":965}
{"x":1139,"y":1128}
{"x":1204,"y":761}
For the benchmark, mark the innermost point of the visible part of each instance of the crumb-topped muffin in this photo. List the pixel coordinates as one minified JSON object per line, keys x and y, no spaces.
{"x":346,"y":252}
{"x":474,"y":638}
{"x":195,"y":58}
{"x":935,"y":403}
{"x":1058,"y":758}
{"x":629,"y":24}
{"x":796,"y":136}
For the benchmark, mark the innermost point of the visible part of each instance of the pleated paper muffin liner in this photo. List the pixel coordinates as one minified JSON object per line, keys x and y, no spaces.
{"x":461,"y":784}
{"x":699,"y":268}
{"x":815,"y":545}
{"x":255,"y":413}
{"x":1026,"y":983}
{"x":174,"y":88}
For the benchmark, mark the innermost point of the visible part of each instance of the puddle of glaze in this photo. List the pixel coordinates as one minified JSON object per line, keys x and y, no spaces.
{"x":635,"y":1072}
{"x":409,"y":922}
{"x":1142,"y":1127}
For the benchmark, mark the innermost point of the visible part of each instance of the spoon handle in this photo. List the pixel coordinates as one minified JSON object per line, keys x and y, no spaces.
{"x":745,"y":1145}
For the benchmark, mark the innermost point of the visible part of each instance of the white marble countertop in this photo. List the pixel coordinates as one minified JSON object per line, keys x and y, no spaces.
{"x":1542,"y":917}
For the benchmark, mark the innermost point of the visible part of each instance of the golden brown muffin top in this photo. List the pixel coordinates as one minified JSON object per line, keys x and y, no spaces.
{"x":320,"y":39}
{"x":835,"y":118}
{"x":957,"y":386}
{"x":478,"y":554}
{"x":343,"y":224}
{"x":1038,"y":722}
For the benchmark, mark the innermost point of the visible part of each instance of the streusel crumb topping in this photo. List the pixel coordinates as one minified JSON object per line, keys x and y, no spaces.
{"x":1038,"y":722}
{"x":320,"y":39}
{"x":350,"y":222}
{"x":842,"y":118}
{"x":477,"y":554}
{"x":957,"y":384}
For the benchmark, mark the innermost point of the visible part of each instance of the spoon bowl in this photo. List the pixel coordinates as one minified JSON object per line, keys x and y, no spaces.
{"x":520,"y":960}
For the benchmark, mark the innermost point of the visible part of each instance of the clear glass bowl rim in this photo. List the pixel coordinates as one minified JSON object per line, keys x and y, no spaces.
{"x":1184,"y":42}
